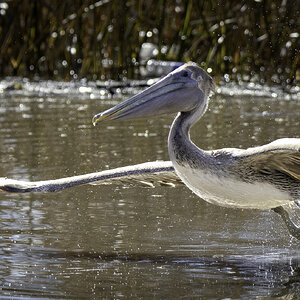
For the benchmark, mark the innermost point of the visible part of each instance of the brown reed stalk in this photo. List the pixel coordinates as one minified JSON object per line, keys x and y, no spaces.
{"x":102,"y":39}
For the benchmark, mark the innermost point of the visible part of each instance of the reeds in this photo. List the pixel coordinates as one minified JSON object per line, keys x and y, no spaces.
{"x":74,"y":39}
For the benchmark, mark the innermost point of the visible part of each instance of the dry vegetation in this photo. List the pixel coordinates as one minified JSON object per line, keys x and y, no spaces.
{"x":74,"y":39}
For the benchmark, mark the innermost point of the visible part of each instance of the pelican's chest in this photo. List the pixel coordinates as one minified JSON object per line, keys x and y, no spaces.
{"x":225,"y":190}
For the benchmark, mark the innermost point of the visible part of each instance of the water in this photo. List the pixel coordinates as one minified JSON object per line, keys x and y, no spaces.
{"x":93,"y":242}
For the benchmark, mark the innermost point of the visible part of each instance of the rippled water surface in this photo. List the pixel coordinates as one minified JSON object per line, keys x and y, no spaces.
{"x":125,"y":241}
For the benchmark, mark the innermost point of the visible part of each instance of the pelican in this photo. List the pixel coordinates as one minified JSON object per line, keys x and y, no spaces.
{"x":265,"y":177}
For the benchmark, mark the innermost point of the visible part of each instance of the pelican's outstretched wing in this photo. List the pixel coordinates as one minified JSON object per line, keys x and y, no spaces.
{"x":148,"y":174}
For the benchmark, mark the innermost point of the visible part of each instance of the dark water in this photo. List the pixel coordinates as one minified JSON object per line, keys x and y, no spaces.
{"x":118,"y":242}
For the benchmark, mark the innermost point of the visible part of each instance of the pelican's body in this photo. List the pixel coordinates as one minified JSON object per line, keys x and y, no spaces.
{"x":230,"y":177}
{"x":234,"y":177}
{"x":265,"y":177}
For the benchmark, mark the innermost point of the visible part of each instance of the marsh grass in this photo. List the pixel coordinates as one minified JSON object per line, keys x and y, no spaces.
{"x":257,"y":40}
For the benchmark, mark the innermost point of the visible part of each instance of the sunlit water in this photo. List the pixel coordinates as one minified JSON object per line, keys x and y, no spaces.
{"x":126,"y":241}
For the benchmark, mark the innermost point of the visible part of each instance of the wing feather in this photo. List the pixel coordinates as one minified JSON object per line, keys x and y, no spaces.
{"x":281,"y":155}
{"x":285,"y":162}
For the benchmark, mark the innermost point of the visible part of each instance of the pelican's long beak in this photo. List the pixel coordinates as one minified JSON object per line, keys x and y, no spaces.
{"x":173,"y":93}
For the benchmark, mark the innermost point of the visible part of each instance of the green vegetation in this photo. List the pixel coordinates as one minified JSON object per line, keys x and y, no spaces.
{"x":82,"y":38}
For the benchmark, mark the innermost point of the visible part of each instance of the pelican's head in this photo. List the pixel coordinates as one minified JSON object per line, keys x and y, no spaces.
{"x":182,"y":90}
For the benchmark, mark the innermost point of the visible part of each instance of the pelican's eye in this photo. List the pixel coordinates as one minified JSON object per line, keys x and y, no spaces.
{"x":185,"y":74}
{"x":199,"y":78}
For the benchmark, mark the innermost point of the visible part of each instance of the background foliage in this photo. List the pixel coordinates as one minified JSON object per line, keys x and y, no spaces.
{"x":83,"y":38}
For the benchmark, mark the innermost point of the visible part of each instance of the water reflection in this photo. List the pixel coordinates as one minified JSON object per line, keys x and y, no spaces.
{"x":126,"y":241}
